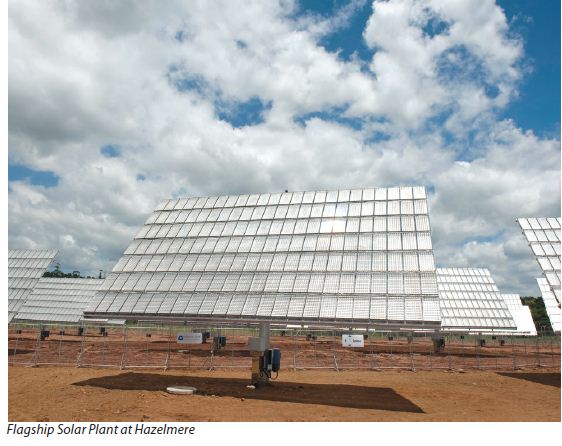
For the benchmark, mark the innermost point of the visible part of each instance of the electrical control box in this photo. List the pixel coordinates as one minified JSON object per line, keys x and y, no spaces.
{"x":271,"y":360}
{"x":275,"y":359}
{"x":438,"y":344}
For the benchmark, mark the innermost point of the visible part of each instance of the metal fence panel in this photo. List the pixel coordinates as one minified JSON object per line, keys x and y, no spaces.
{"x":155,"y":346}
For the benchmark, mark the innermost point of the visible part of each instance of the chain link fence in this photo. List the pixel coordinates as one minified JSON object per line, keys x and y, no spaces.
{"x":155,"y":346}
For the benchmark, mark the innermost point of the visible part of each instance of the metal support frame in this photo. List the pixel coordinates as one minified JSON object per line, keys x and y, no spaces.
{"x":259,"y":376}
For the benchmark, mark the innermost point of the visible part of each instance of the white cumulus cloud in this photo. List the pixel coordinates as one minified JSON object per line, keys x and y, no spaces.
{"x":154,"y":78}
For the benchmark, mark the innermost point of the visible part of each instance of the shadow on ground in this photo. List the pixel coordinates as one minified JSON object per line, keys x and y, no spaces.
{"x":340,"y":395}
{"x":548,"y":379}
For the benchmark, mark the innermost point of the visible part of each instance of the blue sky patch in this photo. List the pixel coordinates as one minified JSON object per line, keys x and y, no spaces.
{"x":377,"y":137}
{"x":347,"y":40}
{"x":189,"y":83}
{"x":459,"y":64}
{"x":180,"y":36}
{"x":435,"y":26}
{"x":110,"y":151}
{"x":332,"y":115}
{"x":537,"y":106}
{"x":45,"y":178}
{"x":236,"y":113}
{"x":484,"y":238}
{"x":241,"y":114}
{"x":182,"y":81}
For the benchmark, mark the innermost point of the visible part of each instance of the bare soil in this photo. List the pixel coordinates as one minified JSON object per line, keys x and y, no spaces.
{"x":93,"y":394}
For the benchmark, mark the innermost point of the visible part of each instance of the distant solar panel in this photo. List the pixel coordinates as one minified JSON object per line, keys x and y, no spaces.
{"x":353,"y":256}
{"x":543,"y":235}
{"x":521,"y":314}
{"x":25,"y":267}
{"x":551,"y":305}
{"x":58,"y":300}
{"x":470,"y":300}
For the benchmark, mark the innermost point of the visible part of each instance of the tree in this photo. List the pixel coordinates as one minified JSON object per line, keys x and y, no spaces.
{"x":57,"y":272}
{"x":538,"y":312}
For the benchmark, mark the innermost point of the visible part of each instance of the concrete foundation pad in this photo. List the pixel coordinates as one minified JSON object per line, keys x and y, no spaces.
{"x":181,"y":390}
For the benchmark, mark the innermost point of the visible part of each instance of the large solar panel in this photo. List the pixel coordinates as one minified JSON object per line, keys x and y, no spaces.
{"x":58,"y":299}
{"x":470,"y":300}
{"x":521,"y":314}
{"x":25,"y":267}
{"x":543,"y":235}
{"x":551,"y":305}
{"x":354,"y":256}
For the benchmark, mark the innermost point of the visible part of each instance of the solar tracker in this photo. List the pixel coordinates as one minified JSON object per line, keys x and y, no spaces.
{"x":521,"y":314}
{"x":350,"y":256}
{"x":58,"y":299}
{"x":543,"y":235}
{"x":25,"y":267}
{"x":470,"y":300}
{"x":552,"y":309}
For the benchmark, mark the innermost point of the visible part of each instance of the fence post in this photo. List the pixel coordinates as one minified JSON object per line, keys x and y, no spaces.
{"x":499,"y":346}
{"x":167,"y":365}
{"x":123,"y":364}
{"x":334,"y":347}
{"x":37,"y":347}
{"x":315,"y":355}
{"x":295,"y":346}
{"x":104,"y":348}
{"x":79,"y":359}
{"x":463,"y":361}
{"x":60,"y":345}
{"x":16,"y":346}
{"x":525,"y":351}
{"x":478,"y":351}
{"x":551,"y":352}
{"x":211,"y":359}
{"x":513,"y":353}
{"x":538,"y":352}
{"x":410,"y":348}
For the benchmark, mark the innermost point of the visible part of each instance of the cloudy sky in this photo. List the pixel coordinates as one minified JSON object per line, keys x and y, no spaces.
{"x":114,"y":105}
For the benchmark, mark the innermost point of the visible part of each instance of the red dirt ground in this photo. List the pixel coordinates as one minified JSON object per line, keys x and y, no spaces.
{"x":89,"y":394}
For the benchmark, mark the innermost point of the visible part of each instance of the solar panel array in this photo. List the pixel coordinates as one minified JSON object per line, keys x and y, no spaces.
{"x":470,"y":299}
{"x":521,"y":314}
{"x":25,"y":267}
{"x":59,"y":299}
{"x":551,"y":305}
{"x":543,"y":235}
{"x":352,"y":255}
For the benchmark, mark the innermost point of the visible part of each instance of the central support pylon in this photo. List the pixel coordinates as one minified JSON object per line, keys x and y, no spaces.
{"x":438,"y":341}
{"x":259,"y":349}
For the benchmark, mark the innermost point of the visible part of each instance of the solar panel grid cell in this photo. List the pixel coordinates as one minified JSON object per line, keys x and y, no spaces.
{"x":461,"y":288}
{"x":551,"y":304}
{"x":543,"y":236}
{"x":331,"y":232}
